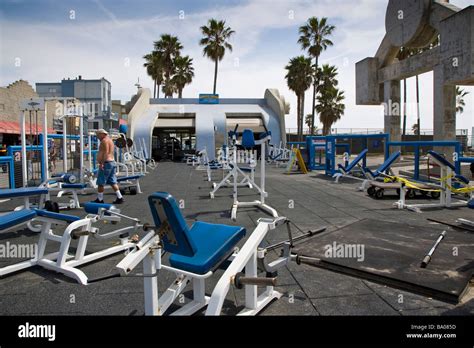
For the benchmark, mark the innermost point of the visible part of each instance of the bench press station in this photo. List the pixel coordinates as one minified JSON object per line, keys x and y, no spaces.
{"x":74,"y":228}
{"x":196,"y":253}
{"x":347,"y":170}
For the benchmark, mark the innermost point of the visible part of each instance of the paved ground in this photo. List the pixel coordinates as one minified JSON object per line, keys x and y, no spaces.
{"x":309,"y":200}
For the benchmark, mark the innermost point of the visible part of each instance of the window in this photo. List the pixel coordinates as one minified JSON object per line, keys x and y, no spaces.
{"x":52,"y":90}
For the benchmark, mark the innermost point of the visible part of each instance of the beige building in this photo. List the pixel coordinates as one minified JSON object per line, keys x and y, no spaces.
{"x":10,"y":99}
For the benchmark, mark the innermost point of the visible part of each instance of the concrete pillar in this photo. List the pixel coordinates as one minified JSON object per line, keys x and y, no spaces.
{"x":392,"y":111}
{"x":444,"y":118}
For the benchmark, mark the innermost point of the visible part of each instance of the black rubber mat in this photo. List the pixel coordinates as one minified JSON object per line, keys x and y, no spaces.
{"x":392,"y":254}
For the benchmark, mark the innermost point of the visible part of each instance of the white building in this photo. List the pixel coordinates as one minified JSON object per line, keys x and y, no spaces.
{"x":200,"y":124}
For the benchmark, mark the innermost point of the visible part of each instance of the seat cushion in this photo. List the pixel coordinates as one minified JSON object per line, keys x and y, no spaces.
{"x":57,"y":216}
{"x":23,"y":192}
{"x":213,"y":242}
{"x":15,"y":218}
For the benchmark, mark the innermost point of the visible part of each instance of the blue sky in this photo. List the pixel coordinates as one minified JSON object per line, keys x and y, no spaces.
{"x":108,"y":38}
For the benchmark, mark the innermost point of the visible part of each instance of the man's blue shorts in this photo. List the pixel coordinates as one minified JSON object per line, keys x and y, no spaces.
{"x":107,"y":174}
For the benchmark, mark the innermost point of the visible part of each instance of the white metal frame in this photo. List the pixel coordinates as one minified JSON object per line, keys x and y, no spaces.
{"x":65,"y":263}
{"x":149,"y":251}
{"x":261,"y":189}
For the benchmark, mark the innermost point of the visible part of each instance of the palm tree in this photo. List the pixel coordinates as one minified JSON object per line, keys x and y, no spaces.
{"x":313,"y":38}
{"x":326,"y":76}
{"x":154,"y":69}
{"x":330,"y":107}
{"x":299,"y":79}
{"x":460,"y":103}
{"x":215,"y":43}
{"x":183,"y":73}
{"x":169,"y":48}
{"x":169,"y":88}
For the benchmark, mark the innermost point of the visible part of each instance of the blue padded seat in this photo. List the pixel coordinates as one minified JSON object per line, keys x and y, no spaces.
{"x":23,"y":192}
{"x":15,"y":218}
{"x":196,"y":250}
{"x":57,"y":216}
{"x":246,"y":169}
{"x":74,"y":186}
{"x":213,"y":242}
{"x":356,"y":160}
{"x":125,"y":178}
{"x":470,"y":204}
{"x":93,"y":208}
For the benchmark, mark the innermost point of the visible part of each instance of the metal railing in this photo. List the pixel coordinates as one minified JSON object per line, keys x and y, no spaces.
{"x":369,"y":131}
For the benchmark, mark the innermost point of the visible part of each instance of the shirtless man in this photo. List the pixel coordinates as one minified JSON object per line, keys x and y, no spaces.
{"x":107,"y":167}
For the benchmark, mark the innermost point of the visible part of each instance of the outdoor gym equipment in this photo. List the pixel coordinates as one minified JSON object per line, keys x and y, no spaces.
{"x":74,"y":228}
{"x":450,"y":183}
{"x":322,"y":150}
{"x":417,"y":146}
{"x":384,"y":168}
{"x":228,"y":161}
{"x":196,"y":253}
{"x":346,"y":170}
{"x":249,"y":142}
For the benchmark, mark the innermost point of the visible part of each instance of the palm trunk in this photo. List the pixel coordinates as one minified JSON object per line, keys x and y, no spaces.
{"x":301,"y":116}
{"x":180,"y":93}
{"x":404,"y":126}
{"x":315,"y":83}
{"x":158,"y":90}
{"x":298,"y":121}
{"x":418,"y":108}
{"x":215,"y":76}
{"x":154,"y":88}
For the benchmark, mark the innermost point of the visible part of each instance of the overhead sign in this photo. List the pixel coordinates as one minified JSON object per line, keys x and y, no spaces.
{"x":208,"y":98}
{"x":32,"y":104}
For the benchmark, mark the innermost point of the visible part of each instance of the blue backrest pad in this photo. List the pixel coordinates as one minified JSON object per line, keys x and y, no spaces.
{"x":165,"y":210}
{"x":356,"y":160}
{"x":388,"y":162}
{"x":248,"y":139}
{"x":441,"y":159}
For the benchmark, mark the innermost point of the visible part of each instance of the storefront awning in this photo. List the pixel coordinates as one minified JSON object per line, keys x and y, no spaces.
{"x":12,"y":127}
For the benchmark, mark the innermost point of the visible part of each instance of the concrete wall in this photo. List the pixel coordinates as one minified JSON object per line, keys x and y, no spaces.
{"x":457,"y":47}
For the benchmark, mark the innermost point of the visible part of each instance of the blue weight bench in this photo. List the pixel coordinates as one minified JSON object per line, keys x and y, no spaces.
{"x":439,"y":158}
{"x":64,"y":260}
{"x":16,"y":218}
{"x":384,"y":168}
{"x":26,"y":193}
{"x":346,"y":170}
{"x":131,"y":182}
{"x":195,"y":252}
{"x":198,"y":249}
